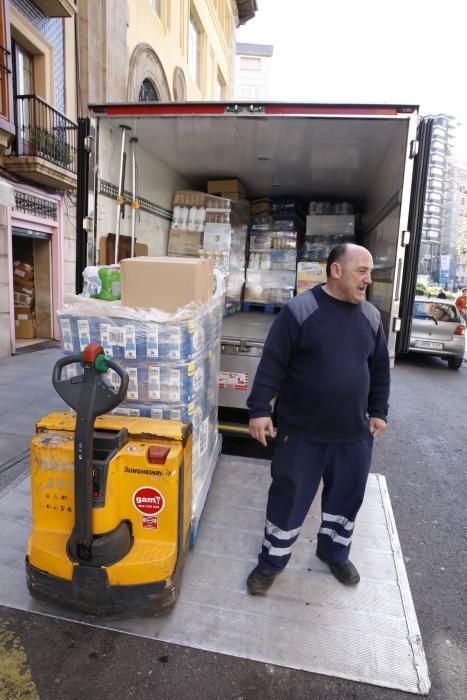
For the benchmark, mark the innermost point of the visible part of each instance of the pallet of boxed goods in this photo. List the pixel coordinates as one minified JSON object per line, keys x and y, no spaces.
{"x":213,"y":228}
{"x":160,"y":387}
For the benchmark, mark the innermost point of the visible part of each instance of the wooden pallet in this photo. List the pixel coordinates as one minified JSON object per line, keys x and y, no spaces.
{"x":266,"y":308}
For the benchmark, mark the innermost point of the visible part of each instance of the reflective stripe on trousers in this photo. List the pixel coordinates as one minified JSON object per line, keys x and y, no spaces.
{"x":297,"y":468}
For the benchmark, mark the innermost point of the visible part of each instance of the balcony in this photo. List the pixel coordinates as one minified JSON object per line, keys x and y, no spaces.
{"x":44,"y":149}
{"x":57,"y":8}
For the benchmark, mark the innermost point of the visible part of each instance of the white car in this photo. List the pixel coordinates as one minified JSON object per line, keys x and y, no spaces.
{"x":438,"y":329}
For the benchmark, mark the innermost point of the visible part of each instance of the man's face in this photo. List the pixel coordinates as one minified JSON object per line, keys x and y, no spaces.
{"x":352,"y":275}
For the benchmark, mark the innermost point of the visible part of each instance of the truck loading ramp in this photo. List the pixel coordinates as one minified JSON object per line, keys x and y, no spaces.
{"x":308,"y":620}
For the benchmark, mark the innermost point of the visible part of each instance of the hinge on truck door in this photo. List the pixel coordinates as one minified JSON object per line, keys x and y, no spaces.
{"x":414,"y":148}
{"x":89,"y":144}
{"x":405,"y":238}
{"x":236,"y":108}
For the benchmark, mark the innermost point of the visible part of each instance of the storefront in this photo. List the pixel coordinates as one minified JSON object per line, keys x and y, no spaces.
{"x":36,"y":267}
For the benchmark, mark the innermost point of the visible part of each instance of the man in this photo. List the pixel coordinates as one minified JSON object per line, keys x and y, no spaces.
{"x":442,"y":294}
{"x":461,"y":303}
{"x":327,"y":361}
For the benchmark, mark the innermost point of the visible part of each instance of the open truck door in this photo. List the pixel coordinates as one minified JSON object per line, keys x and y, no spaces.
{"x":417,"y":205}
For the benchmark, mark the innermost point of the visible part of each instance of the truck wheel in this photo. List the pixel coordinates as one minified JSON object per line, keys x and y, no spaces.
{"x":454,"y":362}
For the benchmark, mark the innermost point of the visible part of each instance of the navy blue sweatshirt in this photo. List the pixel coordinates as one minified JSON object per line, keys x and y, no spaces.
{"x":327,"y":361}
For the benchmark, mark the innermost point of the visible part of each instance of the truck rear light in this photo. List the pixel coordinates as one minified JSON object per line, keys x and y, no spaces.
{"x":158,"y":455}
{"x":460,"y":330}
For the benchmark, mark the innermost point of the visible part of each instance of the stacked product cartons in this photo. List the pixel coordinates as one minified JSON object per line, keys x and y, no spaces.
{"x":272,"y":260}
{"x":172,"y":366}
{"x":24,"y":298}
{"x":216,"y":228}
{"x":327,"y":225}
{"x":224,"y":242}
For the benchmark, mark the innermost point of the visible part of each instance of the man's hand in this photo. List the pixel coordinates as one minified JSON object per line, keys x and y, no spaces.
{"x":258,"y":428}
{"x":377,"y":426}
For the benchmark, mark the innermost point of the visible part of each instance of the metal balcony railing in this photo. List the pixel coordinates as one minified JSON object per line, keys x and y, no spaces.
{"x":45,"y":132}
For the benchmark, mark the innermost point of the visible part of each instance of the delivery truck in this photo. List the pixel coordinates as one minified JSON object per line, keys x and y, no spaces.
{"x":374,"y":157}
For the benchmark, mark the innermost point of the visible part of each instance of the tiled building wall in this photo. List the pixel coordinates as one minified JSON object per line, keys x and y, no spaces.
{"x":52,"y":29}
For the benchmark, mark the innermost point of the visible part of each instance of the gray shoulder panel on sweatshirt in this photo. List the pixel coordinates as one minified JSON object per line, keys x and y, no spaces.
{"x":372,"y":315}
{"x":303,"y":306}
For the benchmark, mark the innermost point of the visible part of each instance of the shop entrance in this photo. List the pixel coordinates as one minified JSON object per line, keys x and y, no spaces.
{"x":32,"y":277}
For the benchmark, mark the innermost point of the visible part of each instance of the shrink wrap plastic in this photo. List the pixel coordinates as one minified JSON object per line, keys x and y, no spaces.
{"x":173,"y":366}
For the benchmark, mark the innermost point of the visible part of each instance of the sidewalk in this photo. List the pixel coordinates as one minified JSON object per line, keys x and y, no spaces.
{"x":27,"y":394}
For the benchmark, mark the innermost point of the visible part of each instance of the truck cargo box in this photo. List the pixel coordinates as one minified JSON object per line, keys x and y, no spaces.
{"x":371,"y":156}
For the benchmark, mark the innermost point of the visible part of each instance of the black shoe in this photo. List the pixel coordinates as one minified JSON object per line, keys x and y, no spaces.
{"x":258,"y":582}
{"x":345,"y":572}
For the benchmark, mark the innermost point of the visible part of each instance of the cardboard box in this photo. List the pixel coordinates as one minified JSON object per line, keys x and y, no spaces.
{"x":234,"y":186}
{"x":330,"y":225}
{"x":310,"y":274}
{"x":165,"y":283}
{"x":23,"y":314}
{"x":107,"y":251}
{"x":23,"y":286}
{"x":182,"y":242}
{"x":25,"y":325}
{"x":261,"y":206}
{"x":22,"y":271}
{"x":21,"y":299}
{"x":231,"y":195}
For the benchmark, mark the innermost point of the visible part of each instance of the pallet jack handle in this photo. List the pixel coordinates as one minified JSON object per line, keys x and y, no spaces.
{"x":90,"y":397}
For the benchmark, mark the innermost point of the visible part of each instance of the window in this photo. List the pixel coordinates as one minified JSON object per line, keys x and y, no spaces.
{"x":436,"y":172}
{"x":436,"y":310}
{"x":23,"y":76}
{"x":5,"y":86}
{"x":437,"y":158}
{"x":250,"y":63}
{"x":194,"y":50}
{"x":147,"y":92}
{"x":249,"y":91}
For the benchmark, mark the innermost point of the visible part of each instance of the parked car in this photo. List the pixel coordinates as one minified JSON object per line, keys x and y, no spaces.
{"x":438,"y":329}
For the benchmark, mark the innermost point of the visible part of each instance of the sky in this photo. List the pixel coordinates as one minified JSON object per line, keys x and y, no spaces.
{"x":391,"y":51}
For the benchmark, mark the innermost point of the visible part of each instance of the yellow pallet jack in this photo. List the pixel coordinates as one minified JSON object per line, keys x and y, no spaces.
{"x":111,"y":499}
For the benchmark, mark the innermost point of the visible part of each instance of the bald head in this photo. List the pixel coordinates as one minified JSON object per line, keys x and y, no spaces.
{"x":348,"y":271}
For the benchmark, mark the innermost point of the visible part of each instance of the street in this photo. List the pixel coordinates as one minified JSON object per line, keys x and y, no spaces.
{"x":422,"y":457}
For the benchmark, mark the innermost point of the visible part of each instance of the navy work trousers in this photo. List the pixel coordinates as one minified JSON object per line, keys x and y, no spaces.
{"x":296,"y":469}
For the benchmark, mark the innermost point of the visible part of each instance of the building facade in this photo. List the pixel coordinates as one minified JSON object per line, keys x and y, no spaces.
{"x":38,"y":166}
{"x":461,"y":197}
{"x":252,"y":66}
{"x":437,"y":262}
{"x":59,"y":56}
{"x":160,"y":49}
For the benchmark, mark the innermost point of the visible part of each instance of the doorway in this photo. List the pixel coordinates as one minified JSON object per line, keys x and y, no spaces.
{"x":32,"y":285}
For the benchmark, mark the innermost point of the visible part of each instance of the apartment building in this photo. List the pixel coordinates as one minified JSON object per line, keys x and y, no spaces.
{"x":437,"y":262}
{"x":460,"y":175}
{"x":59,"y":56}
{"x":252,"y":67}
{"x":38,"y":129}
{"x":159,"y":49}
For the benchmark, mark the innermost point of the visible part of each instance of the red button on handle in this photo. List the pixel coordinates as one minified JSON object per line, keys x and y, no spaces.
{"x":158,"y":455}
